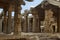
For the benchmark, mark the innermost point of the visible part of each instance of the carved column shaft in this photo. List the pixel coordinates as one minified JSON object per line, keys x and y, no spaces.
{"x":17,"y":20}
{"x":9,"y":19}
{"x":48,"y":20}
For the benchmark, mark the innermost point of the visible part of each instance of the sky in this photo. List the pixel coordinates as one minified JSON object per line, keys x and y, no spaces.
{"x":30,"y":4}
{"x":27,"y":6}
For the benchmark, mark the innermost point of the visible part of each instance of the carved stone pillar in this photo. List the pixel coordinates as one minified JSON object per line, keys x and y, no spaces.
{"x":17,"y":19}
{"x":4,"y":25}
{"x":9,"y":19}
{"x":48,"y":20}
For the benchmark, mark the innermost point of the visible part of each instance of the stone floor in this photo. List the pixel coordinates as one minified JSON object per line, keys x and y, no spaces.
{"x":42,"y":36}
{"x":32,"y":36}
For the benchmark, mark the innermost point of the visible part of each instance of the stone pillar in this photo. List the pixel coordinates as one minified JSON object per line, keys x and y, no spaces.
{"x":9,"y":19}
{"x":17,"y":19}
{"x":37,"y":24}
{"x":34,"y":23}
{"x":26,"y":23}
{"x":29,"y":24}
{"x":58,"y":21}
{"x":0,"y":25}
{"x":4,"y":25}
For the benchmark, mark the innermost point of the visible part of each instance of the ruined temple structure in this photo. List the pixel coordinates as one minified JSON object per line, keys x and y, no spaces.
{"x":48,"y":17}
{"x":39,"y":22}
{"x":45,"y":17}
